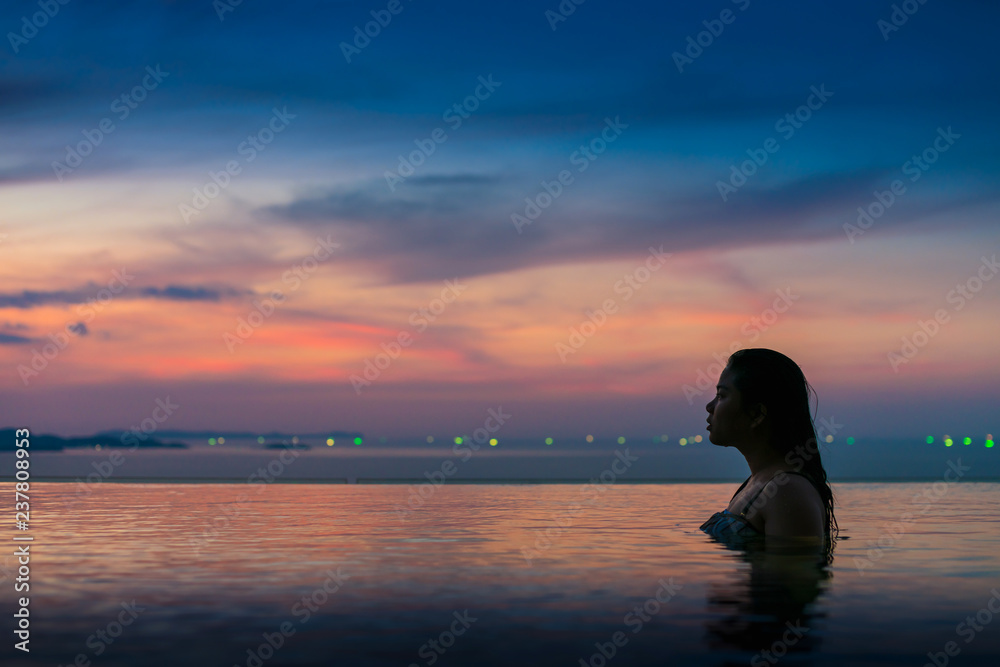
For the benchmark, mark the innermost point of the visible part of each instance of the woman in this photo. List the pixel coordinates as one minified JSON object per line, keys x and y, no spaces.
{"x":762,"y":409}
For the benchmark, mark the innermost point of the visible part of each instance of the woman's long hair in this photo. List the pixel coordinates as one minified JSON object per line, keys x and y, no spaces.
{"x":769,"y":377}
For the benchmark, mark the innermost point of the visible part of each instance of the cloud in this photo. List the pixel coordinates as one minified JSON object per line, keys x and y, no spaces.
{"x":33,"y":299}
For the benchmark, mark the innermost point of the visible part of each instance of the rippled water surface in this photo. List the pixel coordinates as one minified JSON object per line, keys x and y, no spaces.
{"x":497,"y":575}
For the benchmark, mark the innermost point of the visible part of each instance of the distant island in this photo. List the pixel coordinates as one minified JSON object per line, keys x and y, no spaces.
{"x":54,"y":443}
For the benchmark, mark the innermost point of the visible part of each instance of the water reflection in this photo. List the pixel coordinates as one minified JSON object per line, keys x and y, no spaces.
{"x":769,"y":605}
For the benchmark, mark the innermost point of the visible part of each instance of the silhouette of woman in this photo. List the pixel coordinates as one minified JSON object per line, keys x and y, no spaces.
{"x":761,"y":408}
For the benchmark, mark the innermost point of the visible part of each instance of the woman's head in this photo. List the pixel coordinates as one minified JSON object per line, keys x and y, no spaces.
{"x":763,"y":398}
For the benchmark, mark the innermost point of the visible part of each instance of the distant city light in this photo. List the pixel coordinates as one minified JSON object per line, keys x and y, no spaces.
{"x":663,"y":438}
{"x":222,"y":440}
{"x":430,"y":439}
{"x":930,"y":440}
{"x":260,"y":440}
{"x":697,"y":438}
{"x":590,"y":438}
{"x":548,"y":441}
{"x":967,"y":441}
{"x":295,"y":440}
{"x":211,"y":441}
{"x":458,"y":440}
{"x":494,"y":442}
{"x":829,"y":438}
{"x":850,"y":440}
{"x":683,"y":441}
{"x":948,"y":442}
{"x":329,"y":442}
{"x":357,"y":440}
{"x":621,"y":440}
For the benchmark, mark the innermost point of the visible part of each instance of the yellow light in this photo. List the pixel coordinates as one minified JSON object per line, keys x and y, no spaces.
{"x":683,"y":441}
{"x":621,"y":440}
{"x":329,"y":442}
{"x":222,"y":440}
{"x":590,"y":438}
{"x":493,"y":442}
{"x":430,"y":439}
{"x":829,"y":438}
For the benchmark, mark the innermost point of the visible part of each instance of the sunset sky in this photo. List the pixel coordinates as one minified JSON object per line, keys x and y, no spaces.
{"x":371,"y":191}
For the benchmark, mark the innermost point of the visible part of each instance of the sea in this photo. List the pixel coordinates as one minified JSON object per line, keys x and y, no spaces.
{"x":244,"y":574}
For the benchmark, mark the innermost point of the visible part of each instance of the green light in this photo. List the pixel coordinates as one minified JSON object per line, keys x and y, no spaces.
{"x":930,"y":440}
{"x":656,"y":438}
{"x":260,"y":440}
{"x":621,"y":440}
{"x":357,"y":440}
{"x":967,"y":441}
{"x":548,"y":441}
{"x":494,"y":442}
{"x":211,"y":441}
{"x":458,"y":441}
{"x":989,"y":443}
{"x":948,"y":442}
{"x":850,"y":440}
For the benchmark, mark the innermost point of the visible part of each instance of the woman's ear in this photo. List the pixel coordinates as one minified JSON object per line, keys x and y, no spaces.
{"x":759,"y":414}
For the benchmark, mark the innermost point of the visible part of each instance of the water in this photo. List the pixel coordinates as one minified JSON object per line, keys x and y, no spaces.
{"x":212,"y":568}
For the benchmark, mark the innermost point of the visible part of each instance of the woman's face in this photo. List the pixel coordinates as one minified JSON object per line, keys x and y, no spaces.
{"x":728,"y":421}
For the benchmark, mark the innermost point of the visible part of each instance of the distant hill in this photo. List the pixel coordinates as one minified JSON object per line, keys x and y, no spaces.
{"x":105,"y":439}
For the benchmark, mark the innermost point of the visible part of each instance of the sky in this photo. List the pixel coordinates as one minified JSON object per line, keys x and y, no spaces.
{"x":568,"y":212}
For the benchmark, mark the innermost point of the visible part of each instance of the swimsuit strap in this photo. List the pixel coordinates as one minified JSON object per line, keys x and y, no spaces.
{"x":750,"y":502}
